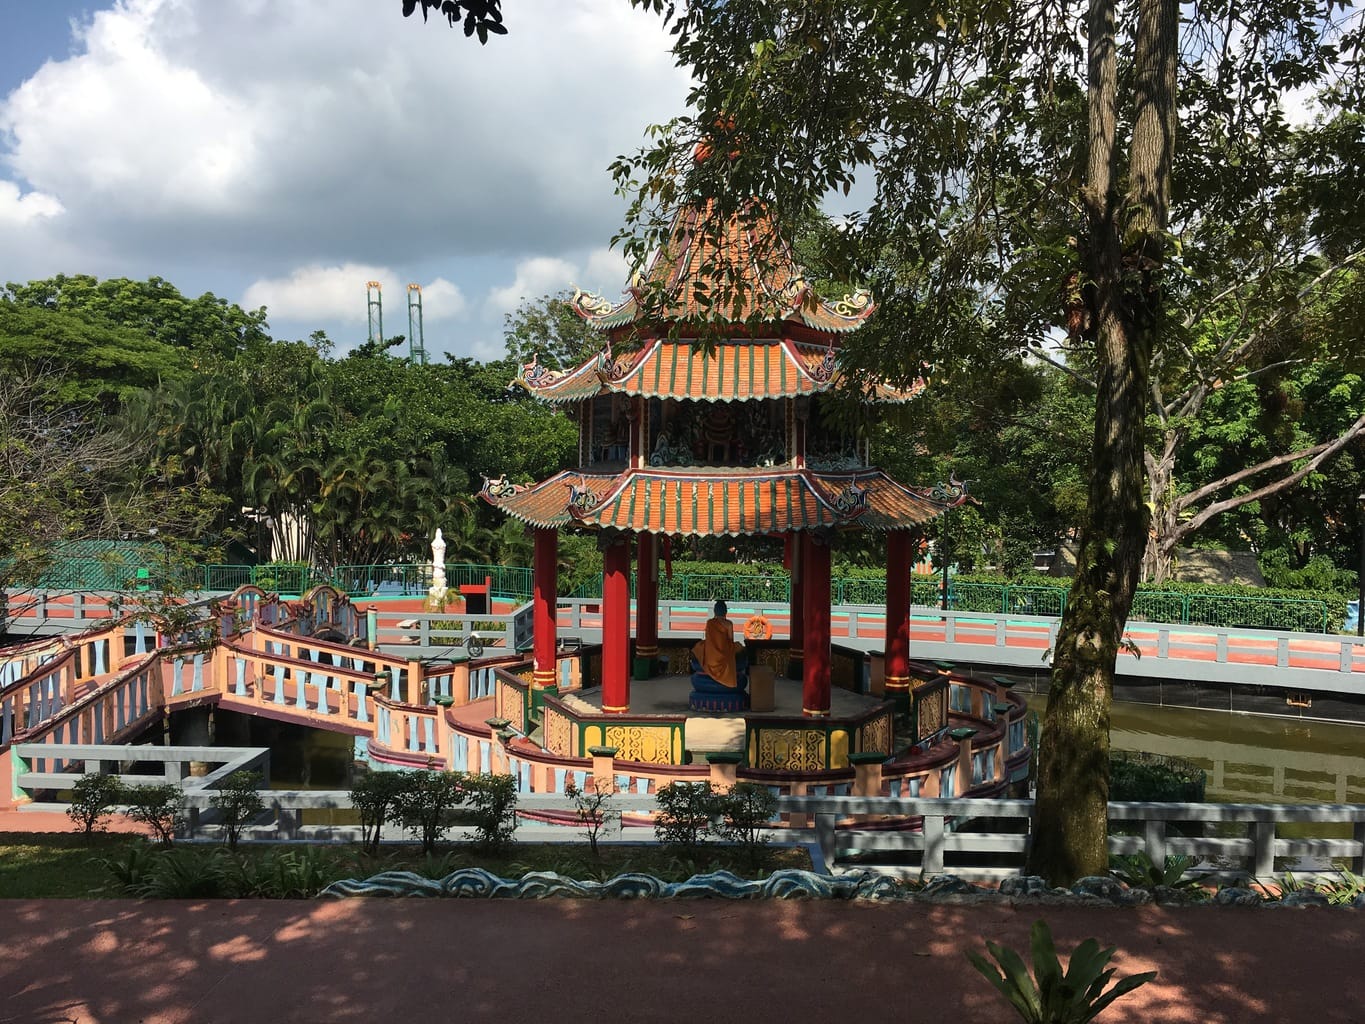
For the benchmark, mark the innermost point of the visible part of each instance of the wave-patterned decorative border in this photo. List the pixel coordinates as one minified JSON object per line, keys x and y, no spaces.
{"x":480,"y":884}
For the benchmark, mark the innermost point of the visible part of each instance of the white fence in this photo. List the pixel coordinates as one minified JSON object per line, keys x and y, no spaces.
{"x":976,"y":839}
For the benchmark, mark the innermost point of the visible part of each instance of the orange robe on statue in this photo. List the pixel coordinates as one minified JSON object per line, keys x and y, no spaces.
{"x":716,"y":653}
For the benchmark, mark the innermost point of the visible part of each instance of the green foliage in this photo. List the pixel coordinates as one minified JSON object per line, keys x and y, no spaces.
{"x":92,"y":801}
{"x":685,"y":816}
{"x":131,"y":869}
{"x":375,"y":796}
{"x":425,"y":803}
{"x":1318,"y":575}
{"x":238,"y":801}
{"x":745,"y":814}
{"x":1140,"y":872}
{"x":1345,"y":890}
{"x":187,"y":874}
{"x":1051,"y":996}
{"x":160,"y":807}
{"x":294,"y":874}
{"x":548,"y":330}
{"x":592,"y":805}
{"x":492,"y":809}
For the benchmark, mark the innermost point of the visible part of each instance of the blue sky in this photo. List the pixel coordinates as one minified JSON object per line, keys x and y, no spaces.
{"x":278,"y":155}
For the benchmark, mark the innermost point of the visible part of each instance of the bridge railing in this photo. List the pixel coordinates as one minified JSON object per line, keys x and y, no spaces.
{"x":1160,"y":650}
{"x":451,"y":632}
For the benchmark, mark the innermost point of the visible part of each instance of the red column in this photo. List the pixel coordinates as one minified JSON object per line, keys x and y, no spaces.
{"x":647,"y":607}
{"x":899,"y":544}
{"x":616,"y":628}
{"x":546,"y":581}
{"x":815,"y":593}
{"x":796,"y":629}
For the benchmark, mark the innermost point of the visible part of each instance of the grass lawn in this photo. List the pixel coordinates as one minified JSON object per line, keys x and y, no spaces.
{"x":58,"y":864}
{"x":53,"y":865}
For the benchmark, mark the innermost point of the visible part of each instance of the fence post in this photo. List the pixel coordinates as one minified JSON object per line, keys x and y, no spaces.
{"x":1155,"y":839}
{"x":867,"y":772}
{"x":824,"y":835}
{"x":1358,"y":861}
{"x":964,"y":759}
{"x":724,"y":769}
{"x":1263,"y":835}
{"x":414,"y":681}
{"x":604,"y":769}
{"x":932,"y":861}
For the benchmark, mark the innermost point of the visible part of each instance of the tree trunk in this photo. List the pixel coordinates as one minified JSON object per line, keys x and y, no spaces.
{"x":1159,"y":560}
{"x":1071,"y":826}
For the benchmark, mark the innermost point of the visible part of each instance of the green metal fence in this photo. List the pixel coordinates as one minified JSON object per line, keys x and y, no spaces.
{"x":517,"y":583}
{"x":512,"y":582}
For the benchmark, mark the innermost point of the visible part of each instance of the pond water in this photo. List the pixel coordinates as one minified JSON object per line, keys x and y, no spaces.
{"x":1248,"y":758}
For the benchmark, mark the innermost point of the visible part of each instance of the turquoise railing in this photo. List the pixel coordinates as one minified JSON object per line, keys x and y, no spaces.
{"x":1219,"y":610}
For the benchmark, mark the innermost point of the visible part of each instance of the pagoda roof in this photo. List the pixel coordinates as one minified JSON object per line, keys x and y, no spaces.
{"x":726,"y":371}
{"x":708,"y":502}
{"x":708,"y":257}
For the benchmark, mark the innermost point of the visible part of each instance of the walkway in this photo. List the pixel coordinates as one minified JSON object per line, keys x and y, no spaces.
{"x":718,"y":962}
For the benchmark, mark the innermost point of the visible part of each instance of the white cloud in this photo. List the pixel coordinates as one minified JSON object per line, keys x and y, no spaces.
{"x":606,"y":273}
{"x":200,"y":125}
{"x":601,"y":270}
{"x":338,"y":293}
{"x":123,"y":123}
{"x":25,"y":207}
{"x":541,"y":275}
{"x":259,"y":147}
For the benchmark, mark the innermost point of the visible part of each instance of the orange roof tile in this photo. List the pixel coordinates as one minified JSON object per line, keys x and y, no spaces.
{"x":717,"y":502}
{"x":728,"y":371}
{"x":708,"y":262}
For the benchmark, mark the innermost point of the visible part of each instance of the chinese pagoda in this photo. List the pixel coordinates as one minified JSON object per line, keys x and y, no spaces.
{"x":681,"y":436}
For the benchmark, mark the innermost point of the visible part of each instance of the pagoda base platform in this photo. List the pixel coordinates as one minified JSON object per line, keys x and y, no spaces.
{"x":660,"y":728}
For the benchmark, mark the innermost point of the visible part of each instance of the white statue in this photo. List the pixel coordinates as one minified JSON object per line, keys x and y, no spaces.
{"x":437,"y":593}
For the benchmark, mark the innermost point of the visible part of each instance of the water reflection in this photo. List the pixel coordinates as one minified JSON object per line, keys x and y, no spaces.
{"x":1248,"y":758}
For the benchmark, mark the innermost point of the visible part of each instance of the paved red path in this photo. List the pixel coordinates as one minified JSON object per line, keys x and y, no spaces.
{"x":114,"y":961}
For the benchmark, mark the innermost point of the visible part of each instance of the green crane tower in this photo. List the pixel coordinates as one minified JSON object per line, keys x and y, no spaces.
{"x":417,"y":349}
{"x":374,"y":300}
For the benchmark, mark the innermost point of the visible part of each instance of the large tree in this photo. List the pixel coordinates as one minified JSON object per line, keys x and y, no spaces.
{"x":1019,"y":154}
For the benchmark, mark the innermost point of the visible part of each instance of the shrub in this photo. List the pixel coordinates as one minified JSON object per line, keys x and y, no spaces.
{"x":159,"y":806}
{"x":132,"y":869}
{"x":296,"y":874}
{"x":187,"y":874}
{"x":1049,"y":996}
{"x":686,"y":811}
{"x":375,"y":795}
{"x":1139,"y":871}
{"x":92,"y":801}
{"x":492,"y":809}
{"x":591,"y":806}
{"x":425,"y":803}
{"x":1343,"y":891}
{"x":746,"y":813}
{"x":238,"y":801}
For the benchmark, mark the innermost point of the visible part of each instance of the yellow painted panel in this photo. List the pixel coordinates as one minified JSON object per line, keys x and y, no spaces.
{"x":838,"y":748}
